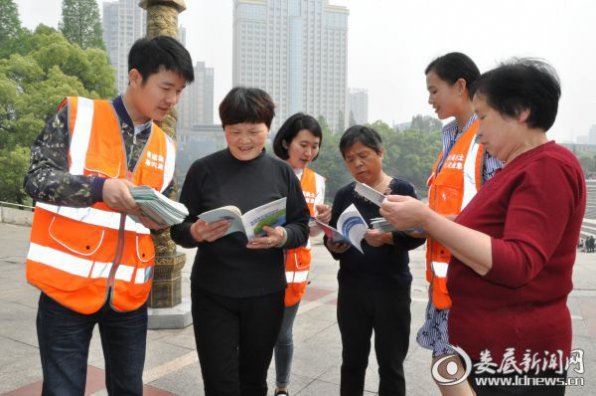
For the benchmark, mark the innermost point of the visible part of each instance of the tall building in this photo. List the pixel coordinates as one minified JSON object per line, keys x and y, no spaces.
{"x":592,"y":135}
{"x":296,"y":50}
{"x":196,"y":103}
{"x":123,"y":23}
{"x":194,"y":143}
{"x":358,"y":105}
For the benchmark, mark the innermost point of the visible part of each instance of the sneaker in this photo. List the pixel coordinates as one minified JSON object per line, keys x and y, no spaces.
{"x":282,"y":392}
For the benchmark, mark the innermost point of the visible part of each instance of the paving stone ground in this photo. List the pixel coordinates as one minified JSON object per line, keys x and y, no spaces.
{"x":172,"y":368}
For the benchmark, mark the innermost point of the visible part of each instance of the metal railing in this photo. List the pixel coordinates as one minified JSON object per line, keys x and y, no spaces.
{"x":16,"y":206}
{"x":13,"y":213}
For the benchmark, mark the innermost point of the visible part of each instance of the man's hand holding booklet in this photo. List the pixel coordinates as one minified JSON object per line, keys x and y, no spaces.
{"x":157,"y":207}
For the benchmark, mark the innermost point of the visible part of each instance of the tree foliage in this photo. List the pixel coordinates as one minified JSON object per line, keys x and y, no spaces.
{"x":425,"y":124}
{"x":10,"y":26}
{"x":409,"y":154}
{"x":33,"y":82}
{"x":81,"y":23}
{"x":13,"y":163}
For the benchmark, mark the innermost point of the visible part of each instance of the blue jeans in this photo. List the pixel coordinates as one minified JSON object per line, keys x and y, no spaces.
{"x":284,"y":347}
{"x":64,"y":336}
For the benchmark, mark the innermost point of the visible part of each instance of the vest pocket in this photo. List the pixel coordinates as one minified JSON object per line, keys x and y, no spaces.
{"x":78,"y":238}
{"x":80,"y":244}
{"x":102,"y":166}
{"x":145,"y":248}
{"x":143,"y":274}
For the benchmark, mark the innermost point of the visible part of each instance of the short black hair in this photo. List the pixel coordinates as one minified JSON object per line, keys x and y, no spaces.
{"x":242,"y":104}
{"x":150,"y":55}
{"x":523,"y":84}
{"x":360,"y":134}
{"x":453,"y":66}
{"x":290,"y":128}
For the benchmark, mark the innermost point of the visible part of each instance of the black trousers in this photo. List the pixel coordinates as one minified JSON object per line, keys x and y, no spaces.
{"x":235,"y":339}
{"x":360,"y":310}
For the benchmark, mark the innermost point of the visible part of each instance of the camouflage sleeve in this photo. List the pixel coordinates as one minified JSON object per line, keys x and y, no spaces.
{"x":48,"y":179}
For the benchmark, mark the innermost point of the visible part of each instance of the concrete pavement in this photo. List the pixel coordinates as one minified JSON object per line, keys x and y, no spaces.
{"x":172,"y":368}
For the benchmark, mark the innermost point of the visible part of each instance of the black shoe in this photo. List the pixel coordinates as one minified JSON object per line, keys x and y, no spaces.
{"x":282,"y":393}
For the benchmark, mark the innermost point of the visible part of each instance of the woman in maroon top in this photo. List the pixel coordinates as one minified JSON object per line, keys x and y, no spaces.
{"x":514,"y":244}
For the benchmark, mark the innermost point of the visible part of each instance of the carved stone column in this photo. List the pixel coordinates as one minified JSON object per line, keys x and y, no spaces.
{"x":162,"y":19}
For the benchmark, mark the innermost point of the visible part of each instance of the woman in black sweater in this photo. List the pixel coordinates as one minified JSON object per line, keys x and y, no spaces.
{"x":374,"y":287}
{"x":238,"y":286}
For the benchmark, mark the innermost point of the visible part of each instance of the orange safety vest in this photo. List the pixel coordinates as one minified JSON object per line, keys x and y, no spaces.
{"x":298,"y":260}
{"x":450,"y":190}
{"x":77,"y":255}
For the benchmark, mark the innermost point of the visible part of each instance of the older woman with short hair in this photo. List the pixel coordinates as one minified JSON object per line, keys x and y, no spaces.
{"x":513,"y":246}
{"x":374,"y":287}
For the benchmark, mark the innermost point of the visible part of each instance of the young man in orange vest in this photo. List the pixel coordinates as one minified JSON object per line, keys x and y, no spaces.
{"x":92,"y":262}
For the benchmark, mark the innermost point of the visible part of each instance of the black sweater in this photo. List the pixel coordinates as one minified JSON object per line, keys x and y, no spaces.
{"x":379,"y":267}
{"x":226,"y":267}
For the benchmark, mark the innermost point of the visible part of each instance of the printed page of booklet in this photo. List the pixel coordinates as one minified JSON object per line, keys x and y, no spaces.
{"x":351,"y":228}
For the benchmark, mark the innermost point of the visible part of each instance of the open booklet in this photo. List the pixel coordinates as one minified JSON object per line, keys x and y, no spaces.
{"x":251,"y":223}
{"x":351,"y":228}
{"x":157,"y":207}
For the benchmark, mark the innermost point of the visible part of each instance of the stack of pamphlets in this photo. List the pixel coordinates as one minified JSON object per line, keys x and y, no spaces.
{"x":381,"y":224}
{"x":157,"y":207}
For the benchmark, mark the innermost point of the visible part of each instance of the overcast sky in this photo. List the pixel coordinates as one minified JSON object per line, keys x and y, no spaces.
{"x":390,"y":42}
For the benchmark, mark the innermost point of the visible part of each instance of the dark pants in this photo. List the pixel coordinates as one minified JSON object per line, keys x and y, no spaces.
{"x":64,"y":336}
{"x":235,"y":339}
{"x":361,"y":310}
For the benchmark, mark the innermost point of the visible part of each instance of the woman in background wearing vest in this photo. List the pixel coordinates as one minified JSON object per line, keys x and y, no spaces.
{"x":298,"y":142}
{"x":238,"y":286}
{"x":514,"y":244}
{"x":374,"y":287}
{"x":460,"y":170}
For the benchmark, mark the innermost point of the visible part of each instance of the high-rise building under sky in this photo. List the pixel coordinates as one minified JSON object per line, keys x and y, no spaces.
{"x":358,"y":105}
{"x":196,"y":104}
{"x":123,"y":23}
{"x":296,"y":50}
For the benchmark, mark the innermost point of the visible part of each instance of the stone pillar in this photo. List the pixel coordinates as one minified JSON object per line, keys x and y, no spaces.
{"x":162,"y":19}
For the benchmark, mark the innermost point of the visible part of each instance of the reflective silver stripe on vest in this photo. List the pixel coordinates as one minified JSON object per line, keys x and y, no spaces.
{"x":296,"y":277}
{"x":79,"y":142}
{"x":83,"y":267}
{"x":439,"y":268}
{"x":170,"y":164}
{"x":96,"y":217}
{"x":470,"y":187}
